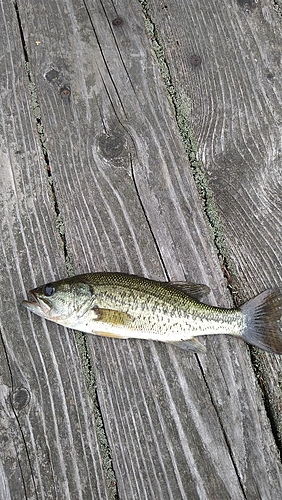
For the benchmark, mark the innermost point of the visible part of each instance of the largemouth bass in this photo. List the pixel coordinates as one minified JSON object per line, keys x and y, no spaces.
{"x":127,"y":306}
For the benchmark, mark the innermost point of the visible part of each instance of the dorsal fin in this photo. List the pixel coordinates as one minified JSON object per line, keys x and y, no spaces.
{"x":194,"y":290}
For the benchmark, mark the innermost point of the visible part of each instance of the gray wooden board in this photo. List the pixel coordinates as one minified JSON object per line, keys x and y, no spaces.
{"x":48,"y":442}
{"x":235,"y":113}
{"x":123,"y":198}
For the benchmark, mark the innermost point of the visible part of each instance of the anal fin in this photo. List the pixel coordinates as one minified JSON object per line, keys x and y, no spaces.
{"x":189,"y":345}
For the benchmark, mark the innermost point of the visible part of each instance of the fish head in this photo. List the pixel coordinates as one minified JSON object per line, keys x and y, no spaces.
{"x":61,"y":301}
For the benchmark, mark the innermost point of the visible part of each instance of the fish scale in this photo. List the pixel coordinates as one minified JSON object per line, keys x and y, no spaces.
{"x":127,"y":306}
{"x":159,"y":311}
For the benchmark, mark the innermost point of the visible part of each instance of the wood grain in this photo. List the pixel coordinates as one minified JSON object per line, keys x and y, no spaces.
{"x":235,"y":115}
{"x":117,"y":193}
{"x":48,"y":443}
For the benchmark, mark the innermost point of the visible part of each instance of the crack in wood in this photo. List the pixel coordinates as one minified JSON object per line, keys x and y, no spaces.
{"x":148,"y":222}
{"x":90,"y":378}
{"x":83,"y":349}
{"x":257,"y":362}
{"x":278,"y":7}
{"x":40,"y":129}
{"x":180,"y":112}
{"x":206,"y":194}
{"x":102,"y":52}
{"x":19,"y":425}
{"x":229,"y":446}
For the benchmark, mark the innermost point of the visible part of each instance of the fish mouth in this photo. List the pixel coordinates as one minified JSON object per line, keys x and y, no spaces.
{"x":37,"y":305}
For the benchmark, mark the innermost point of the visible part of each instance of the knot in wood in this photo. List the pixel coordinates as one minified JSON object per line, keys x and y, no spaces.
{"x":118,"y":21}
{"x":52,"y":75}
{"x":65,"y":93}
{"x":195,"y":60}
{"x":113,"y":147}
{"x":248,"y":4}
{"x":20,"y":398}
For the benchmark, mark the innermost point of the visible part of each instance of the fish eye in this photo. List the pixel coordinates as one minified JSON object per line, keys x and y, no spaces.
{"x":49,"y":290}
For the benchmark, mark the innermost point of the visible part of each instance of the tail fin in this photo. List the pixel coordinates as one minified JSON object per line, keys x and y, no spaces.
{"x":263,"y":321}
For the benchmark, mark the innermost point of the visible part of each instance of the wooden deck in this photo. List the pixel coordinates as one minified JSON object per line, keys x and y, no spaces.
{"x":144,"y":137}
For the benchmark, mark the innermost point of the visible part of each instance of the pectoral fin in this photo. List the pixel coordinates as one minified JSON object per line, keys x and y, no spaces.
{"x":112,"y":317}
{"x":190,"y":345}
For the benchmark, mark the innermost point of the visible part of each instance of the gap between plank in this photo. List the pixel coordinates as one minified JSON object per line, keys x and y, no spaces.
{"x":81,"y":340}
{"x":206,"y":195}
{"x":180,"y":112}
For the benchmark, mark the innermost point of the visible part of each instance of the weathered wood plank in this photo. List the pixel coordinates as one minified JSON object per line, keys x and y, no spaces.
{"x":48,"y":442}
{"x":179,"y":426}
{"x":108,"y":124}
{"x":235,"y":114}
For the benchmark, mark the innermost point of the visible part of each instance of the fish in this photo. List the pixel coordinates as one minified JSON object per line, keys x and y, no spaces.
{"x":126,"y":306}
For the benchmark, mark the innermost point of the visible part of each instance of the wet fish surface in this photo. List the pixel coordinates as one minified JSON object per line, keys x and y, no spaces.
{"x":127,"y":306}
